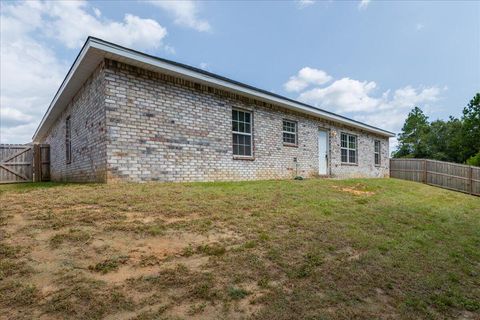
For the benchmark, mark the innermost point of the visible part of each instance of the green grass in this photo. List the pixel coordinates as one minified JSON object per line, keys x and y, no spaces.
{"x":237,"y":293}
{"x":305,"y":249}
{"x":72,"y":236}
{"x":109,"y":265}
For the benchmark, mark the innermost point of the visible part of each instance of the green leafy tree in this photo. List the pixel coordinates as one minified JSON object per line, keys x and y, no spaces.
{"x":444,"y":140}
{"x":474,"y":160}
{"x":455,"y":140}
{"x":471,"y":128}
{"x":413,"y":141}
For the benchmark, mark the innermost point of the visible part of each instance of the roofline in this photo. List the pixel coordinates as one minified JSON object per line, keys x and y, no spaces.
{"x":205,"y":76}
{"x":62,"y":86}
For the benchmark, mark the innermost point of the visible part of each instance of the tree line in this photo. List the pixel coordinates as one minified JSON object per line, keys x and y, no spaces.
{"x":454,"y":140}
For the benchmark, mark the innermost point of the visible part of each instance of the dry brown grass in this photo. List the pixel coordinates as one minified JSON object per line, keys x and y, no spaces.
{"x":315,"y":249}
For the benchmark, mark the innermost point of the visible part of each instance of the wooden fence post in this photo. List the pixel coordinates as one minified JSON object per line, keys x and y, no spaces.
{"x":37,"y":163}
{"x":425,"y":171}
{"x":390,"y":167}
{"x":470,"y":180}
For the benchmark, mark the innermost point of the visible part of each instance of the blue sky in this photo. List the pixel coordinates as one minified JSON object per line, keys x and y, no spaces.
{"x":369,"y":60}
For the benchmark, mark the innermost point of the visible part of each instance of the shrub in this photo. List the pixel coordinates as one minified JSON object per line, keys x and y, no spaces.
{"x":474,"y":160}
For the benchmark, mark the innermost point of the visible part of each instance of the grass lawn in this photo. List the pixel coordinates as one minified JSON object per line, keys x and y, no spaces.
{"x":312,"y":249}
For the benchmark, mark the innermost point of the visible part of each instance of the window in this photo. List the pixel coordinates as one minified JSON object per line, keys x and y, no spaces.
{"x":289,"y":132}
{"x":68,"y":141}
{"x":377,"y":152}
{"x":242,"y":133}
{"x":348,"y":148}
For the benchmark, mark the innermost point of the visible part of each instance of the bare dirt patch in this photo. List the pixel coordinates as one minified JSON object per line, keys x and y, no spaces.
{"x":91,"y":249}
{"x":355,"y":190}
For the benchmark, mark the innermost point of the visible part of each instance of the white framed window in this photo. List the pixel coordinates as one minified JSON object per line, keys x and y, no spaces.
{"x":290,"y":132}
{"x":242,"y":133}
{"x":68,"y":140}
{"x":377,"y":152}
{"x":348,"y":148}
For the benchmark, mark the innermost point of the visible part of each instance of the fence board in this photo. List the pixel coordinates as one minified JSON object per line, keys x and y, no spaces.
{"x":45,"y":163}
{"x":447,"y":175}
{"x":475,"y":180}
{"x":20,"y":163}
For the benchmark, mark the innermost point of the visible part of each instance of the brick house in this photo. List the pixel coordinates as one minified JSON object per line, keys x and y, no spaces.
{"x":124,"y":115}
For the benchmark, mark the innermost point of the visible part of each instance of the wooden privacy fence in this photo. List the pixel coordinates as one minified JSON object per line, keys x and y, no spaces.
{"x":24,"y":163}
{"x":447,"y":175}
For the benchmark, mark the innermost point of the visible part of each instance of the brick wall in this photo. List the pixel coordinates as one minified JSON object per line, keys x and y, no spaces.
{"x":88,"y":135}
{"x":162,"y":128}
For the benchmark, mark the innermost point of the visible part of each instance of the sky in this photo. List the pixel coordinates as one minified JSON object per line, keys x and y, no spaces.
{"x":372,"y":61}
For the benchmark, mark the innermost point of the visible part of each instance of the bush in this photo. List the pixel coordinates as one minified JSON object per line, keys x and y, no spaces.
{"x":474,"y":160}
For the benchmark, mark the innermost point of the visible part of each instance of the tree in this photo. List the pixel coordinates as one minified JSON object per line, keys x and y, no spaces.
{"x":471,"y":128}
{"x":413,"y":139}
{"x":444,"y":140}
{"x":455,"y":140}
{"x":474,"y":160}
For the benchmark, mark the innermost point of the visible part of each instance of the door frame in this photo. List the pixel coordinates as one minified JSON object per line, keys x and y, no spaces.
{"x":327,"y":131}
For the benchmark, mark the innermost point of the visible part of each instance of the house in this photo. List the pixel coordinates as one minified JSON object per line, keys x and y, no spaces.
{"x":125,"y":115}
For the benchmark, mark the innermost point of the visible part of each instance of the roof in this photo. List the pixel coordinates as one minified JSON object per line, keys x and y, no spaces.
{"x":96,"y":50}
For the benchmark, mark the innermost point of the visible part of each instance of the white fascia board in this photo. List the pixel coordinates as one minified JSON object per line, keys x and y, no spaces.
{"x":65,"y":82}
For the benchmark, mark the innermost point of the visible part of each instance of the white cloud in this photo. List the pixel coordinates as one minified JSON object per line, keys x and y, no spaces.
{"x":392,"y":111}
{"x":71,"y":24}
{"x":204,"y":66}
{"x":97,"y":12}
{"x":419,"y":26}
{"x":306,"y":76}
{"x":358,"y":99}
{"x":169,"y":49}
{"x":348,"y":95}
{"x":21,"y":133}
{"x":409,"y":96}
{"x":305,"y":3}
{"x":345,"y":95}
{"x":361,"y":101}
{"x":17,"y":20}
{"x":185,"y":13}
{"x":363,"y":4}
{"x":30,"y":74}
{"x":14,"y":117}
{"x":30,"y":70}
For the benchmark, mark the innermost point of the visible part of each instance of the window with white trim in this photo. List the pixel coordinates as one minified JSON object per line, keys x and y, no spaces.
{"x":242,"y":133}
{"x":377,"y":152}
{"x":348,"y":148}
{"x":290,"y":132}
{"x":68,"y":141}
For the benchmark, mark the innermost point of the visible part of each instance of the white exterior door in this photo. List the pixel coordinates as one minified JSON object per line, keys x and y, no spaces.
{"x":322,"y":152}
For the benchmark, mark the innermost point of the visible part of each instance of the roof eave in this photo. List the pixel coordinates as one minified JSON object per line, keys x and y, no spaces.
{"x":116,"y":52}
{"x":60,"y":90}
